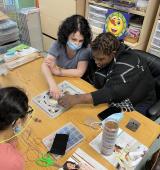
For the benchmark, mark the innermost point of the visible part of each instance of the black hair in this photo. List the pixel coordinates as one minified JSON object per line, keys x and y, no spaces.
{"x":105,"y":43}
{"x":73,"y":24}
{"x":13,"y":105}
{"x":65,"y":167}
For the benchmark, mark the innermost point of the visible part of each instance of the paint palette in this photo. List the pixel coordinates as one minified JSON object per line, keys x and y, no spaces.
{"x":75,"y":136}
{"x":51,"y":106}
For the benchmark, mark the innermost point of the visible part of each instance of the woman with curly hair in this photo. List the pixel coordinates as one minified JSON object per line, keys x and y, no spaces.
{"x":68,"y":56}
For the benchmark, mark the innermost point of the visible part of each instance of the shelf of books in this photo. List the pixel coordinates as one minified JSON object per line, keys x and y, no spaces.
{"x":154,"y":41}
{"x":132,"y":10}
{"x":19,"y":55}
{"x":130,"y":21}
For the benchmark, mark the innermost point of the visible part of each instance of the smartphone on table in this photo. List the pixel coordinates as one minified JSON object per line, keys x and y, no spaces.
{"x":109,"y":111}
{"x":59,"y":144}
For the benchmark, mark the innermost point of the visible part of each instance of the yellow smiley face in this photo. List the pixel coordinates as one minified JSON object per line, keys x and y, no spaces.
{"x":115,"y":25}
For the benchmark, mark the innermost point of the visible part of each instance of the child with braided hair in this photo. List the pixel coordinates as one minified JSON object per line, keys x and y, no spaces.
{"x":118,"y":73}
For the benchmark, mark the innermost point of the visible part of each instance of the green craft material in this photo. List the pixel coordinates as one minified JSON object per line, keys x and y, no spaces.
{"x":45,"y":161}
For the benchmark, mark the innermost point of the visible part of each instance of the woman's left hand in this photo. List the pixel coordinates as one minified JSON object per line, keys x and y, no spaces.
{"x":56,"y":71}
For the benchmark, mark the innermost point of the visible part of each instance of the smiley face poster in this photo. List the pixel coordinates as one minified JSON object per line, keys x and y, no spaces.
{"x":117,"y":23}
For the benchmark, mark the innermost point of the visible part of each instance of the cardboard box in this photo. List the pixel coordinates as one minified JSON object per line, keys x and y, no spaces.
{"x":30,"y":27}
{"x":52,"y":14}
{"x":3,"y":16}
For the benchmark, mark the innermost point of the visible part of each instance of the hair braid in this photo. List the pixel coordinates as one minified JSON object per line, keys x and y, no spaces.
{"x":105,"y":43}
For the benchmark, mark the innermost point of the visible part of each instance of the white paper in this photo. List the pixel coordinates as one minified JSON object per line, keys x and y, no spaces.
{"x":84,"y":161}
{"x":131,"y":148}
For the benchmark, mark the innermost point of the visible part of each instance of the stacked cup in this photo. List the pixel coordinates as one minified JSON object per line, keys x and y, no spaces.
{"x":109,"y":135}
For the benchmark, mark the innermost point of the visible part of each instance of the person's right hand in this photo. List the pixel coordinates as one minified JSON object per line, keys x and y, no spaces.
{"x":68,"y":101}
{"x":55,"y":92}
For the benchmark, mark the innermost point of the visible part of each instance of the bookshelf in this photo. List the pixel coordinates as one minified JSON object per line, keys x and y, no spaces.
{"x":147,"y":15}
{"x":131,"y":10}
{"x":154,"y":41}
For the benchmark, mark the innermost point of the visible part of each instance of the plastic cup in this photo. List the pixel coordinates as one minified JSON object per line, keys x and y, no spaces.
{"x":109,"y":135}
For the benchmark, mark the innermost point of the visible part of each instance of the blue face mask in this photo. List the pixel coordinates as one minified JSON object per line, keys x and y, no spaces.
{"x":17,"y":129}
{"x":73,"y":46}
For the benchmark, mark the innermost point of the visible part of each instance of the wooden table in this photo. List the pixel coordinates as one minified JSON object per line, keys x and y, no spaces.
{"x":30,"y":78}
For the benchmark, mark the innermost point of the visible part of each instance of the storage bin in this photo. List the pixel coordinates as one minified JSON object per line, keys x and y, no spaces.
{"x":156,"y":42}
{"x":154,"y":52}
{"x":97,"y":9}
{"x":95,"y":23}
{"x":157,"y":34}
{"x":96,"y":31}
{"x":158,"y":26}
{"x":97,"y":17}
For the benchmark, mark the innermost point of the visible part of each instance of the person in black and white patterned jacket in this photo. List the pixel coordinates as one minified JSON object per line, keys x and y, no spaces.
{"x":118,"y":73}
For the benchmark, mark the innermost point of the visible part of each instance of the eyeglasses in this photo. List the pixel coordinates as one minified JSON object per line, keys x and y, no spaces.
{"x":24,"y":116}
{"x":30,"y":110}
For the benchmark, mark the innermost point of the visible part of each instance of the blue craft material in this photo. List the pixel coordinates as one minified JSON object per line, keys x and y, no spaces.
{"x":10,"y":53}
{"x":116,"y":116}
